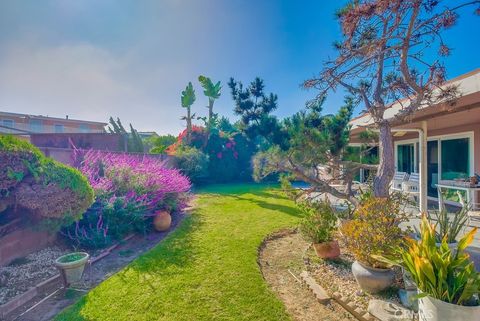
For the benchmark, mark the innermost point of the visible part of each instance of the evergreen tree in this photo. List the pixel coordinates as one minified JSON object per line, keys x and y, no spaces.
{"x":254,"y":107}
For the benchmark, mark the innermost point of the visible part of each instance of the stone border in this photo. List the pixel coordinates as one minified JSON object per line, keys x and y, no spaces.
{"x":319,"y":292}
{"x":323,"y":297}
{"x":46,"y":286}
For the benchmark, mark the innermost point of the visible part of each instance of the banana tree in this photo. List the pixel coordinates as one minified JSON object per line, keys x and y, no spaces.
{"x":188,"y":98}
{"x":212,"y":91}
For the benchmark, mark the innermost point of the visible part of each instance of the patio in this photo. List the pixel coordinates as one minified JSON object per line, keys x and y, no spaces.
{"x":440,"y":143}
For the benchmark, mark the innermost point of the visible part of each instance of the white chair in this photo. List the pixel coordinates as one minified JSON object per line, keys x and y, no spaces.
{"x":411,"y":186}
{"x":398,"y":180}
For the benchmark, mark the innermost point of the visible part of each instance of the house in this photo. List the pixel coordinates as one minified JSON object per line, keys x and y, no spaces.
{"x":145,"y":135}
{"x":16,"y":123}
{"x":447,"y":137}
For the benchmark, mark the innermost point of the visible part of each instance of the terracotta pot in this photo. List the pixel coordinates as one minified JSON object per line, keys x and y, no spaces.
{"x":327,"y":250}
{"x":473,"y":180}
{"x":162,"y":221}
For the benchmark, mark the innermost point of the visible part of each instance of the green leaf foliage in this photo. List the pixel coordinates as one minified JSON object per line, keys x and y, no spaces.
{"x":210,"y":89}
{"x":56,"y":193}
{"x":444,"y":273}
{"x":188,"y":96}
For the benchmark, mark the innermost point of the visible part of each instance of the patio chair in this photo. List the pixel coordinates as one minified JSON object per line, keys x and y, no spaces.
{"x":411,"y":186}
{"x":397,"y":181}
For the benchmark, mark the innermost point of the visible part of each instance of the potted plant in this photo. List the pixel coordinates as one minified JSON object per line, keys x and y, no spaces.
{"x":72,"y":266}
{"x":447,"y":281}
{"x":318,"y":226}
{"x":162,"y":221}
{"x":373,"y":229}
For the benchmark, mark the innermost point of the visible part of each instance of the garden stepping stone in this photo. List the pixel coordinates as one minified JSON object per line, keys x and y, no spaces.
{"x":389,"y":311}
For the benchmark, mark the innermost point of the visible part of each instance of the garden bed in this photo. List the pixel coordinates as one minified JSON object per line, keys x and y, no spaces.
{"x":280,"y":260}
{"x":104,"y":267}
{"x":23,"y":273}
{"x":336,"y":276}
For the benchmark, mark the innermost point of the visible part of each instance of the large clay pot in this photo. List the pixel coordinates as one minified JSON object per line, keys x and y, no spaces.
{"x":162,"y":221}
{"x":371,"y":279}
{"x":72,"y":266}
{"x":327,"y":250}
{"x":430,"y":309}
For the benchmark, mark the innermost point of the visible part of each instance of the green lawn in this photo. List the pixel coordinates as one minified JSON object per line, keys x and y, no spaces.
{"x":205,"y":270}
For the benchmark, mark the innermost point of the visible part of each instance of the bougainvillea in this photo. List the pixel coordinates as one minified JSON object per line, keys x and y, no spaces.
{"x":128,"y":189}
{"x":228,"y":154}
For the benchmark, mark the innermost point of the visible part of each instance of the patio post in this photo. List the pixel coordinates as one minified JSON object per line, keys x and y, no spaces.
{"x":423,"y":169}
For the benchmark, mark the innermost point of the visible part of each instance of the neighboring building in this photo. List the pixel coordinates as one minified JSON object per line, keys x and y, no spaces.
{"x":144,"y":135}
{"x":15,"y":123}
{"x":447,"y":137}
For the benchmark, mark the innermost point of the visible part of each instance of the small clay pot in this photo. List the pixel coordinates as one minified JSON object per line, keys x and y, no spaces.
{"x":327,"y":250}
{"x":162,"y":221}
{"x":473,"y":181}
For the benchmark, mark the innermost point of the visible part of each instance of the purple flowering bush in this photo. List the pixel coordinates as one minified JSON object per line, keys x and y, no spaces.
{"x":128,"y":190}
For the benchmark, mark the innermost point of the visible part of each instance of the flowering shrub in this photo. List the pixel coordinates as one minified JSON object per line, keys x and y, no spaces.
{"x":192,"y":162}
{"x":228,"y":154}
{"x":128,"y":190}
{"x":374,"y":230}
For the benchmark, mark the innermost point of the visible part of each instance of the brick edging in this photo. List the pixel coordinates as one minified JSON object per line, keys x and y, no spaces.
{"x":42,"y":287}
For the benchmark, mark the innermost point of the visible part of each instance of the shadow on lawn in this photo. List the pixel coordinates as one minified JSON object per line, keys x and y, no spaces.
{"x":160,"y":263}
{"x":286,"y":209}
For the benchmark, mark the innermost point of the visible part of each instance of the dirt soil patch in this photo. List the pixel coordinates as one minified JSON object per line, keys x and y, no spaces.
{"x":281,"y":262}
{"x":93,"y":275}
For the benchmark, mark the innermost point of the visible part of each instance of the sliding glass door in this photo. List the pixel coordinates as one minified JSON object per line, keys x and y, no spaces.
{"x":432,"y":167}
{"x":447,"y":159}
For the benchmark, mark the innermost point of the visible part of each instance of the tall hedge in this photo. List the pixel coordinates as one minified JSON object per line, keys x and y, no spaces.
{"x":50,"y":193}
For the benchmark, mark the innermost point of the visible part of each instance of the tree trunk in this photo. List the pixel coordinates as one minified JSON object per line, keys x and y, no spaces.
{"x":386,"y":166}
{"x":210,"y":112}
{"x":189,"y":126}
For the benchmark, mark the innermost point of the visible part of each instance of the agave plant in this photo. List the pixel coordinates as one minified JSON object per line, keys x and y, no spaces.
{"x":440,"y":272}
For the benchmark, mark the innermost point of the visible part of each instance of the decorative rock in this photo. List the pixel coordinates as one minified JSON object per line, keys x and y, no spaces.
{"x":389,"y":311}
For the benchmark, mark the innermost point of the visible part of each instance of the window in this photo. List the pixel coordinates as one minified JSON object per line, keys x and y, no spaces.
{"x":6,"y":124}
{"x":84,"y":128}
{"x":455,"y":158}
{"x":406,"y":158}
{"x":36,"y":125}
{"x":59,"y":128}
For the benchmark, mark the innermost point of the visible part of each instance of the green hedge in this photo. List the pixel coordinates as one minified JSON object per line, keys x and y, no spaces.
{"x":52,"y":193}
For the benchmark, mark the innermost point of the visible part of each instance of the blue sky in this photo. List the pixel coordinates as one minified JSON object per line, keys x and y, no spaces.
{"x":94,"y":58}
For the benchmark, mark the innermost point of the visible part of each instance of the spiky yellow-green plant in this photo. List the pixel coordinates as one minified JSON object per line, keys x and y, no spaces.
{"x":440,"y":272}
